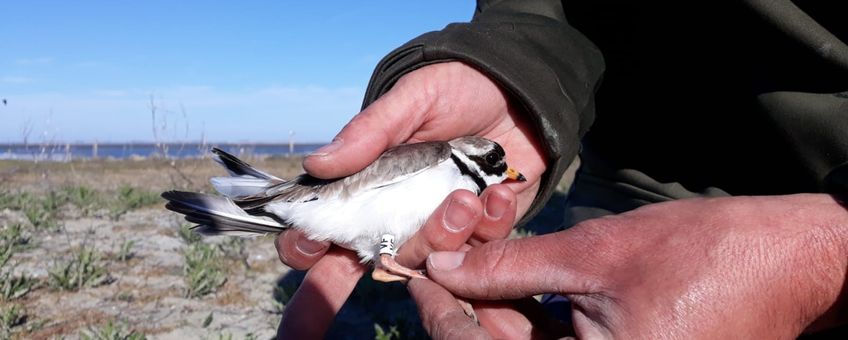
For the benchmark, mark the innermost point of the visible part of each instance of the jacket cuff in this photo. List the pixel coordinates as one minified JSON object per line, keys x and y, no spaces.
{"x":554,"y":84}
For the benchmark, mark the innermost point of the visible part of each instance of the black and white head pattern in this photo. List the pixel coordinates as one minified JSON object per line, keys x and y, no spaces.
{"x":481,"y":159}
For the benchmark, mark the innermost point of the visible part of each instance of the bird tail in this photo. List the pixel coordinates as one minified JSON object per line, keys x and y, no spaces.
{"x":244,"y":180}
{"x":217,"y":215}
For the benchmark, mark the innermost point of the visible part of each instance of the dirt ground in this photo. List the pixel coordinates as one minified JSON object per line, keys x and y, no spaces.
{"x":141,"y":253}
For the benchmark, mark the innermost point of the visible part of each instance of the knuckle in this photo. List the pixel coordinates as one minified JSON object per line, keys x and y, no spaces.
{"x":498,"y":258}
{"x":448,"y":324}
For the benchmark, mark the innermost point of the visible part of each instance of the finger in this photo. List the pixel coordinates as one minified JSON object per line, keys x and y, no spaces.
{"x":519,"y":319}
{"x":448,"y":228}
{"x":324,"y":290}
{"x":499,"y":212}
{"x":502,"y":321}
{"x":441,"y":315}
{"x":387,"y":122}
{"x":297,"y":251}
{"x":498,"y":270}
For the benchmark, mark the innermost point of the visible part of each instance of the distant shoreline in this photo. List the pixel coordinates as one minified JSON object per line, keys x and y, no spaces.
{"x":68,"y":152}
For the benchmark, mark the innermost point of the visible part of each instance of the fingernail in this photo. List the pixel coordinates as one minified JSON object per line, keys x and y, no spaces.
{"x":458,"y":215}
{"x":309,"y":247}
{"x":445,"y":260}
{"x":328,"y":149}
{"x":496,"y":206}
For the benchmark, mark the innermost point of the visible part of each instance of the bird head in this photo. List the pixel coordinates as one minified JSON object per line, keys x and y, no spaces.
{"x":484,"y":160}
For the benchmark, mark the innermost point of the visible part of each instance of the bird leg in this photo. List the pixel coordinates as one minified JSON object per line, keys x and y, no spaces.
{"x":387,"y":269}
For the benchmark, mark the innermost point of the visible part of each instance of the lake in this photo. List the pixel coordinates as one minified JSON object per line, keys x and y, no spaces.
{"x":67,"y":152}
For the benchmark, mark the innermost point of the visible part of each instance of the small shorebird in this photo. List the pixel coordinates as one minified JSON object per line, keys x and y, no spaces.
{"x":369,"y":212}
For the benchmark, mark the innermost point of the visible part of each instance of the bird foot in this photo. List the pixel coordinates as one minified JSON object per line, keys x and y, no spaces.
{"x":388,"y":270}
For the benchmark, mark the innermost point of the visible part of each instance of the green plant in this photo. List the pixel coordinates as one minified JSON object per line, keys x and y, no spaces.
{"x":13,"y":236}
{"x":129,"y":198}
{"x":125,"y":252}
{"x":225,"y":336}
{"x":208,"y":320}
{"x":125,"y":297}
{"x":381,"y":334}
{"x":84,"y":270}
{"x":42,"y":212}
{"x":10,"y":317}
{"x":82,"y":197}
{"x":520,"y":233}
{"x":187,"y":235}
{"x":6,"y":199}
{"x":13,"y":287}
{"x":202,"y":270}
{"x":111,"y":331}
{"x":15,"y":201}
{"x":235,"y":248}
{"x":281,"y":295}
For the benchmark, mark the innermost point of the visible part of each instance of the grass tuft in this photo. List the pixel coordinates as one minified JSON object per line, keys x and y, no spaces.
{"x":187,"y":235}
{"x":84,"y":270}
{"x":129,"y":198}
{"x":11,"y":286}
{"x":125,"y":253}
{"x":111,"y":331}
{"x":202,"y":270}
{"x":381,"y":334}
{"x":10,"y":317}
{"x":42,"y":212}
{"x":86,"y":199}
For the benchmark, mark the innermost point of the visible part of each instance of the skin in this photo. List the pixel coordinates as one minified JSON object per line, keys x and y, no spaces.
{"x":741,"y":267}
{"x":438,"y":102}
{"x":762,"y":267}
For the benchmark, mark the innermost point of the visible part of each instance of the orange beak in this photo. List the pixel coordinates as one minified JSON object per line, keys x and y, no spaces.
{"x":515,"y":175}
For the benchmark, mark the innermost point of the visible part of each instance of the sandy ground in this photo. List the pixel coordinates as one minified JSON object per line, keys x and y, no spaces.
{"x":146,"y":293}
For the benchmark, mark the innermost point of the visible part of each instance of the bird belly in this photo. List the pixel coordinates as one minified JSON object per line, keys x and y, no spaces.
{"x":358,"y":222}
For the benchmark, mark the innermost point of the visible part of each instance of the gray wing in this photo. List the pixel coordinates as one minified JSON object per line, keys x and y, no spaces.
{"x":395,"y":165}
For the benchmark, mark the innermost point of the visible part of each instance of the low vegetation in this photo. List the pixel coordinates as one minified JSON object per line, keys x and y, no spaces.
{"x":111,"y":331}
{"x":202,"y":270}
{"x":12,"y":240}
{"x":83,"y":270}
{"x":11,"y":317}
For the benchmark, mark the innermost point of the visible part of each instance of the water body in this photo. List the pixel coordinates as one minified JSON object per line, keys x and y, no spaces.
{"x":67,"y":152}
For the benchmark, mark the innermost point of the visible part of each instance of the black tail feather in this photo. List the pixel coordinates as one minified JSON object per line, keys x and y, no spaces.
{"x":238,"y":167}
{"x":218,"y":215}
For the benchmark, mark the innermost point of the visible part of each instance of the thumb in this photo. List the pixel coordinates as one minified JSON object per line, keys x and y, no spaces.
{"x":387,"y":122}
{"x":512,"y":269}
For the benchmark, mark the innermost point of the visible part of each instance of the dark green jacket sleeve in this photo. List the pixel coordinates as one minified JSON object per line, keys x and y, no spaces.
{"x":528,"y":47}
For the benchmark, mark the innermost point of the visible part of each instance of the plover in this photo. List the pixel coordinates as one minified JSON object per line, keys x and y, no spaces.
{"x":368,"y":212}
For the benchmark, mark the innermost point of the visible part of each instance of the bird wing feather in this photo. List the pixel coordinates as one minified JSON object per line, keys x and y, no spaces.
{"x":393,"y":166}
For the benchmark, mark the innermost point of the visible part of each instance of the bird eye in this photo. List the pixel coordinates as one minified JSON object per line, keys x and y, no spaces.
{"x":492,"y":158}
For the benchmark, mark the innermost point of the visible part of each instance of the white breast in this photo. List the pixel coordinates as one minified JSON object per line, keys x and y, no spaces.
{"x":358,"y":223}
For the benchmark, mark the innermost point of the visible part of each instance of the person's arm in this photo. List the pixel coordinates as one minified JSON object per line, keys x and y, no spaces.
{"x":548,"y":68}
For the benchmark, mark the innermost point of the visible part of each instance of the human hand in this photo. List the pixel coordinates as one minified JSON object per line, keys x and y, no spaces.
{"x":743,"y":267}
{"x":436,"y":102}
{"x":334,"y":273}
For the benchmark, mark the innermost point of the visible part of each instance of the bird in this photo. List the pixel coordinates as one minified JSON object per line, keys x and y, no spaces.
{"x":371,"y":212}
{"x":5,"y":102}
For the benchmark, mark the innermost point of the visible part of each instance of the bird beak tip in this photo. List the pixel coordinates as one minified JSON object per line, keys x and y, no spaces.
{"x":515,"y":175}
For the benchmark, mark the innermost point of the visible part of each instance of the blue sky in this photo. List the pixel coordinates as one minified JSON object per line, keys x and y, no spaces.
{"x":80,"y":71}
